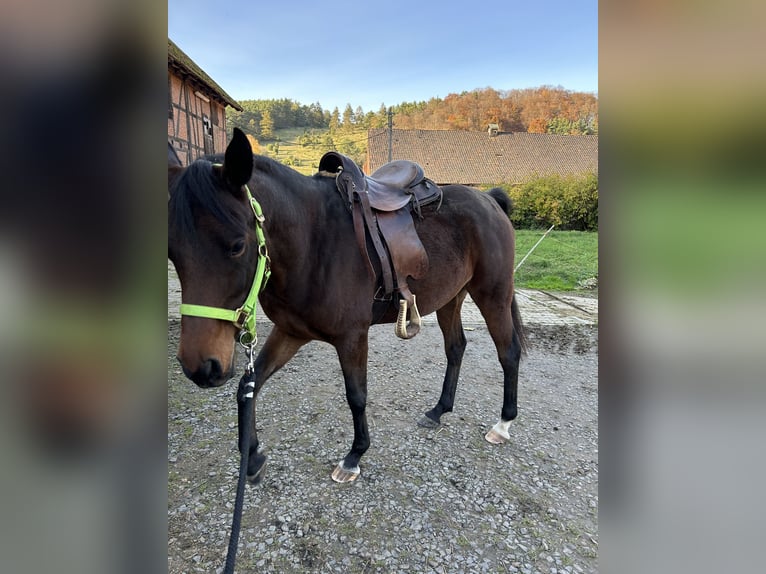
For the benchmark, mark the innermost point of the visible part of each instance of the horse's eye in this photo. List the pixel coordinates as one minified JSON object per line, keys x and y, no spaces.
{"x":237,"y":248}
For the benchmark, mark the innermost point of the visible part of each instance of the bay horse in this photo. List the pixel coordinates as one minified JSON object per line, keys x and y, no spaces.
{"x":320,"y":287}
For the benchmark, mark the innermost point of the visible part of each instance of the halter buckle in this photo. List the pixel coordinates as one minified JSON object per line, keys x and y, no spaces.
{"x":240,"y":318}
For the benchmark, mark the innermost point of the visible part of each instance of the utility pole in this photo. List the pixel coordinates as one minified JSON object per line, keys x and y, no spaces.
{"x":390,"y":132}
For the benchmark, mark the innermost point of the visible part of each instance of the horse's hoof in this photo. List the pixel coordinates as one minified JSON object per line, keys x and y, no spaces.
{"x":494,"y":437}
{"x":428,"y":423}
{"x":342,"y":474}
{"x":498,"y":434}
{"x":256,"y":477}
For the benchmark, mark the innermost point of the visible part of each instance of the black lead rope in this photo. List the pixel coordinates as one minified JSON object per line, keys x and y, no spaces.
{"x":245,"y":396}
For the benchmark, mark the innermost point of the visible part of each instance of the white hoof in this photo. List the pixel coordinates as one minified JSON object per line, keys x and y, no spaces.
{"x":498,"y":434}
{"x":342,"y":474}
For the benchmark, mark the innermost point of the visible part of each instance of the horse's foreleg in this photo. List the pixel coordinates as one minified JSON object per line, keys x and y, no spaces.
{"x":454,"y":347}
{"x":352,"y":352}
{"x":276,"y":351}
{"x":256,"y":461}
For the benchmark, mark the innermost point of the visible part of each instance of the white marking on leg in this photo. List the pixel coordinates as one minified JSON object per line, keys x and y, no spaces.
{"x":354,"y":470}
{"x":498,"y":434}
{"x":502,"y":428}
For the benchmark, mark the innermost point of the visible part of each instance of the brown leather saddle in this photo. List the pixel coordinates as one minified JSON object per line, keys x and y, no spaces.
{"x":385,"y":204}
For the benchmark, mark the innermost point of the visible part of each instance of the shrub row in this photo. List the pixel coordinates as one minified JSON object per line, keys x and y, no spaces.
{"x":568,"y":202}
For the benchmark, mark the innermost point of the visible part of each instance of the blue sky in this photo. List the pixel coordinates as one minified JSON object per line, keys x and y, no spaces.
{"x":371,"y":53}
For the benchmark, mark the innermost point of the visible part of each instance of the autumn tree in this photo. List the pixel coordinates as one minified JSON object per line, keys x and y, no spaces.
{"x":538,"y":126}
{"x":256,"y":147}
{"x":529,"y":109}
{"x":545,"y":109}
{"x":267,"y":125}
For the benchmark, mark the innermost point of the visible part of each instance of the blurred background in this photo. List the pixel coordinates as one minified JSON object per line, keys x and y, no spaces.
{"x":83,"y":286}
{"x":682,"y":86}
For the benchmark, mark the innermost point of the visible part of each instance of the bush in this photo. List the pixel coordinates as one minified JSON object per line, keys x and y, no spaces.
{"x":568,"y":202}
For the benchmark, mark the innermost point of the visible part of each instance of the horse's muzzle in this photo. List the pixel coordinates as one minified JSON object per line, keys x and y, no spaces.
{"x":209,"y":374}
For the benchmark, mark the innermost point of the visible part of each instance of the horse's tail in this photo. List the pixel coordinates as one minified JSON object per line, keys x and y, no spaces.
{"x":502,"y":198}
{"x":506,"y":204}
{"x":518,"y":326}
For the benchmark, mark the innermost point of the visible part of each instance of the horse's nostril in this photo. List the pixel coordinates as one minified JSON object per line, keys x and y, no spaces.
{"x":212,"y":370}
{"x":209,"y":373}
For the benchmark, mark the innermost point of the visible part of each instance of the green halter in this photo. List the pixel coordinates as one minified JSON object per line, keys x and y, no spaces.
{"x":244,"y":316}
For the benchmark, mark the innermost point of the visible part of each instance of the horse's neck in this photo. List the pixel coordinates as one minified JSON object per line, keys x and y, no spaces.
{"x":289,"y":212}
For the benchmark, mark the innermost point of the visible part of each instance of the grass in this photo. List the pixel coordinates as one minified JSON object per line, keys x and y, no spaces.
{"x":557,"y":264}
{"x":305,"y":158}
{"x":289,"y":152}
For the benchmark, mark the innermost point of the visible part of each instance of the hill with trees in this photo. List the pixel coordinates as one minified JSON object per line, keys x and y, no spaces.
{"x":298,"y":135}
{"x":544,"y":109}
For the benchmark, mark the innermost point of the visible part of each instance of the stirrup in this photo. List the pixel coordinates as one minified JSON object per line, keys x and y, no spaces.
{"x":407,"y":329}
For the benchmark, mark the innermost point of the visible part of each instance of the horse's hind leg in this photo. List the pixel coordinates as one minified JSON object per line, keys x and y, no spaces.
{"x":506,"y":334}
{"x":509,"y":359}
{"x":451,"y":325}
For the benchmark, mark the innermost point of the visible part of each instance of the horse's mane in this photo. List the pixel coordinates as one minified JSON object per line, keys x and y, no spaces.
{"x":200,"y":187}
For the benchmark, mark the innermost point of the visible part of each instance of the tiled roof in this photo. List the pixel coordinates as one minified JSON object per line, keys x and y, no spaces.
{"x":475,"y":158}
{"x":178,"y":59}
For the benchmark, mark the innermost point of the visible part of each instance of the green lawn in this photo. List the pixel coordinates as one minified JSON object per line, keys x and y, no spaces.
{"x":302,"y":159}
{"x":559,"y":262}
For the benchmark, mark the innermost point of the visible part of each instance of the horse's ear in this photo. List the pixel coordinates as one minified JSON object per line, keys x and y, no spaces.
{"x":238,"y":161}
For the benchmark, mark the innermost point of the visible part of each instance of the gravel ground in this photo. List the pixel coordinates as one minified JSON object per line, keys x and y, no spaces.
{"x":439,"y":500}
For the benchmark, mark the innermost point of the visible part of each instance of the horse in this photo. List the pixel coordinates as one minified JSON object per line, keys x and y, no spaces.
{"x":320,"y":287}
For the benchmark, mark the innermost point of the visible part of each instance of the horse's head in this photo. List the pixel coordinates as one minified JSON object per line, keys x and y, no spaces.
{"x":212,"y":243}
